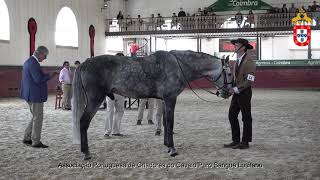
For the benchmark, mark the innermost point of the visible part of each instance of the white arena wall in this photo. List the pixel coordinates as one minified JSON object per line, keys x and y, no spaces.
{"x":15,"y":51}
{"x":166,"y":7}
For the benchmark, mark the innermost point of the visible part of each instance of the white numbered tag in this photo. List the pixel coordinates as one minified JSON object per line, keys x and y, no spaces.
{"x":250,"y":77}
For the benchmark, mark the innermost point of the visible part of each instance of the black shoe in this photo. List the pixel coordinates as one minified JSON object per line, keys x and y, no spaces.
{"x":231,"y":145}
{"x":117,"y":134}
{"x":241,"y":145}
{"x":139,"y":122}
{"x":40,"y":145}
{"x":106,"y":135}
{"x":27,"y":142}
{"x":244,"y":146}
{"x":150,"y":121}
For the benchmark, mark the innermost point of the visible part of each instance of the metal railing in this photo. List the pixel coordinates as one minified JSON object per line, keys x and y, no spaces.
{"x":205,"y":22}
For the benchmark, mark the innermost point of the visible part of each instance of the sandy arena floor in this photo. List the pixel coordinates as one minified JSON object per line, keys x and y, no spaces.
{"x":286,"y":142}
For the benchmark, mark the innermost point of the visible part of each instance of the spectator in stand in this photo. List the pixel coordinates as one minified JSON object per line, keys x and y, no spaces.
{"x":152,"y":23}
{"x":128,"y":22}
{"x":199,"y":12}
{"x":134,"y":47}
{"x":120,"y":16}
{"x":284,"y":15}
{"x":120,"y":19}
{"x":198,"y":20}
{"x":174,"y":21}
{"x":140,"y":23}
{"x":292,"y":9}
{"x":239,"y":19}
{"x":205,"y":11}
{"x":181,"y":13}
{"x":284,"y":9}
{"x":160,"y":21}
{"x":315,"y":7}
{"x":250,"y":18}
{"x":213,"y":23}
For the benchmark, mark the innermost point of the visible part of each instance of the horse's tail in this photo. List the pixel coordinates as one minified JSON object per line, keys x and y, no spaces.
{"x":78,"y":105}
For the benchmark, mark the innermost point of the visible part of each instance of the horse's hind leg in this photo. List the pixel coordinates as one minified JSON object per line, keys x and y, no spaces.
{"x":165,"y":129}
{"x":90,"y":110}
{"x":168,"y":125}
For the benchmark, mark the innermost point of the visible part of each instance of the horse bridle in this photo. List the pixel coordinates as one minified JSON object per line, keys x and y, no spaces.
{"x":212,"y":81}
{"x":224,"y":74}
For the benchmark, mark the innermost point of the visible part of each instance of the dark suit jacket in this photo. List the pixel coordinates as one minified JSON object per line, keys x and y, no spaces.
{"x":247,"y":66}
{"x":34,"y":82}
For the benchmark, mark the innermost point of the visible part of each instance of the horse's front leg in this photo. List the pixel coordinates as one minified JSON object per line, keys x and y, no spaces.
{"x":170,"y":104}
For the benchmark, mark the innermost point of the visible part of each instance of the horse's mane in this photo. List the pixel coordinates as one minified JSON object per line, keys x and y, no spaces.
{"x":192,"y":53}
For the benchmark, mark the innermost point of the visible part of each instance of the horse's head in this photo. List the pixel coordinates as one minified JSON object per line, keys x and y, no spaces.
{"x":224,"y":80}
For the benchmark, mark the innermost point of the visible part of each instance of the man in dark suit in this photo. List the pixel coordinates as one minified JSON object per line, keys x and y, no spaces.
{"x":244,"y":74}
{"x":34,"y":91}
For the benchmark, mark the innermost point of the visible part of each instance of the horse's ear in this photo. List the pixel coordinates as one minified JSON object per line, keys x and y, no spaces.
{"x":227,"y":59}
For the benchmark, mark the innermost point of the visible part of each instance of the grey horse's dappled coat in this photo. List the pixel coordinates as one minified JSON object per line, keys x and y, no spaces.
{"x":162,"y":75}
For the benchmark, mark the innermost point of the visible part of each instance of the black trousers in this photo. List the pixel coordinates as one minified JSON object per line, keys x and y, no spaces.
{"x":241,"y":102}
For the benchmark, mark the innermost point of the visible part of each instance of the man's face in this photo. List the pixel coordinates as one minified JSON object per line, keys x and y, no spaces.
{"x":42,"y":57}
{"x":67,"y":65}
{"x":237,"y":46}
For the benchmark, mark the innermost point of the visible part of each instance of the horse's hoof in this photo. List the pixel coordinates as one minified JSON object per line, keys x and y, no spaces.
{"x":87,"y":156}
{"x":158,"y":132}
{"x":172,"y":152}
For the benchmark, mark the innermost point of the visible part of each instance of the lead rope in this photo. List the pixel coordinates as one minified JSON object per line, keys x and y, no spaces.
{"x":193,"y":90}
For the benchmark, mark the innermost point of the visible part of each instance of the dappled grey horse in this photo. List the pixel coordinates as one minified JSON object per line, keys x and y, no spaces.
{"x":162,"y":75}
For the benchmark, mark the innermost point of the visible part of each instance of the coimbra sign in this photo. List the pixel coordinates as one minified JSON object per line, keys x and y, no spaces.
{"x":238,"y":5}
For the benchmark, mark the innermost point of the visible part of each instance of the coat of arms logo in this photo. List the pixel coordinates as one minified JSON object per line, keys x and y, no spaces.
{"x":302,"y":29}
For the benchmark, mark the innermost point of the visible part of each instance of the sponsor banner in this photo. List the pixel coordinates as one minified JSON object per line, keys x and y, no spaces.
{"x":312,"y":62}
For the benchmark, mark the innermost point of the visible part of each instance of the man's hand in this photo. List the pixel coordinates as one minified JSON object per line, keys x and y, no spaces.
{"x":235,"y":90}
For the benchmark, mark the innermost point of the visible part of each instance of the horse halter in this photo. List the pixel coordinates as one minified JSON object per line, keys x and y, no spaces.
{"x":224,"y":74}
{"x":213,"y":81}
